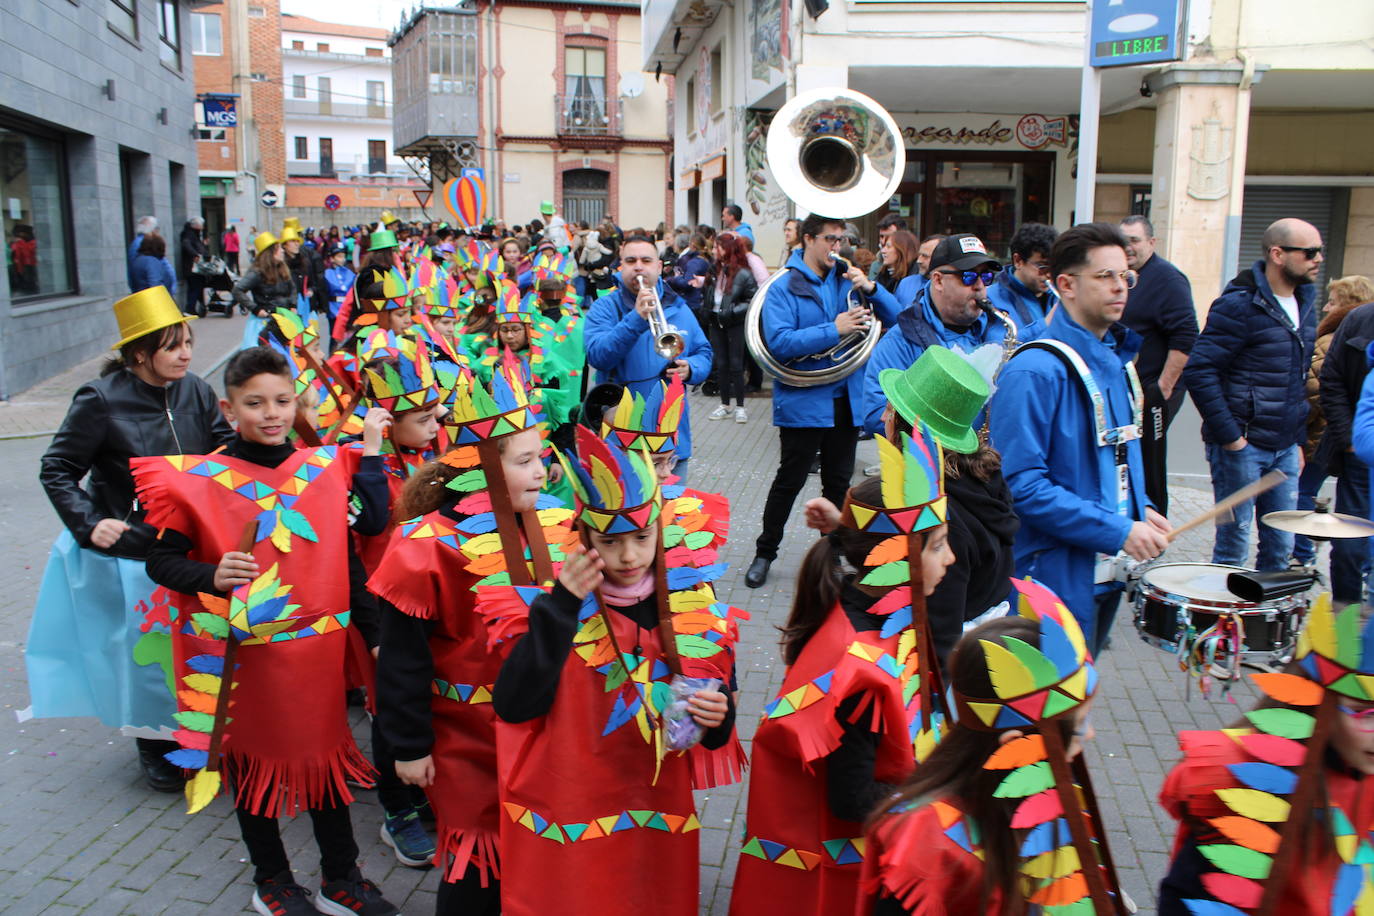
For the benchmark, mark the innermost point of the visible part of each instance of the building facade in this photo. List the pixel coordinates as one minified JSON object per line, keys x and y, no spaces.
{"x":96,"y":131}
{"x":546,"y":98}
{"x":1266,"y":116}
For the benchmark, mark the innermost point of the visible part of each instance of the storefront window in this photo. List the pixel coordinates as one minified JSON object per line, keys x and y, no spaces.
{"x":33,"y":195}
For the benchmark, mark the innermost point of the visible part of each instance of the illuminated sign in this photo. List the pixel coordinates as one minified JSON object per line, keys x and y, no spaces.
{"x":1125,"y":32}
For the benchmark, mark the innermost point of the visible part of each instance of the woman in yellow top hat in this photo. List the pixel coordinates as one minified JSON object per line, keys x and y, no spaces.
{"x":100,"y":644}
{"x":265,"y":287}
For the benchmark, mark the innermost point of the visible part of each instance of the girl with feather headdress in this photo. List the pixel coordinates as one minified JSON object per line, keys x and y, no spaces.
{"x":860,"y":703}
{"x":613,"y":700}
{"x":475,"y":516}
{"x":1275,"y":816}
{"x":1001,"y":818}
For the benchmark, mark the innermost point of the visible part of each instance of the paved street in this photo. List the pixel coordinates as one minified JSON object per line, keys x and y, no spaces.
{"x":79,"y":833}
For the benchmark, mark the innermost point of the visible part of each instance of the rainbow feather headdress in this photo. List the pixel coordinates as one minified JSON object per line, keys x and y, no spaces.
{"x":1336,"y":651}
{"x":617,"y":490}
{"x":396,"y":291}
{"x":481,"y":414}
{"x":554,"y":265}
{"x":492,"y":267}
{"x":646,"y":423}
{"x":1033,"y":685}
{"x":399,"y":375}
{"x":469,"y":255}
{"x":510,"y":307}
{"x":441,"y":300}
{"x":913,"y":500}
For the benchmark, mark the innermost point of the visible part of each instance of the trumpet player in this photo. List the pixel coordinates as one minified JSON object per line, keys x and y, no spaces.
{"x":623,"y":348}
{"x":805,"y":316}
{"x":946,"y":312}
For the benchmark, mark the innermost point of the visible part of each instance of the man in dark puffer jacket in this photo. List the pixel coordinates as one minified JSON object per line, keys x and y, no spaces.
{"x":1246,"y":375}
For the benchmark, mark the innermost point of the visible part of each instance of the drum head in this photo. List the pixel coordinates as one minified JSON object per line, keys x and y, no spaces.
{"x":1198,"y":581}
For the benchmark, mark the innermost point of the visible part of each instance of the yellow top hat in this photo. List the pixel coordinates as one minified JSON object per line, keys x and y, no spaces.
{"x":146,"y":311}
{"x":290,"y":234}
{"x":388,"y":218}
{"x":264,"y":241}
{"x":291,"y":222}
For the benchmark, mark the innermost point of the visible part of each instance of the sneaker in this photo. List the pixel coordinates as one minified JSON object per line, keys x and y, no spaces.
{"x":282,"y":896}
{"x":741,"y":416}
{"x":407,"y":838}
{"x":873,"y":470}
{"x":720,"y":413}
{"x":353,"y":895}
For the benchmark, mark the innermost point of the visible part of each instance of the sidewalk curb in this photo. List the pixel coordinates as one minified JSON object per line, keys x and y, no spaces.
{"x":219,"y":363}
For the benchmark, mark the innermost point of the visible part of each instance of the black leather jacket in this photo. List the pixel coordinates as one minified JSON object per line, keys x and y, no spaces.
{"x":115,"y":418}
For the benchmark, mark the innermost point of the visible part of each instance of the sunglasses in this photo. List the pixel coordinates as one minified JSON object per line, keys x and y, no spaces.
{"x":1309,"y":253}
{"x":970,"y":277}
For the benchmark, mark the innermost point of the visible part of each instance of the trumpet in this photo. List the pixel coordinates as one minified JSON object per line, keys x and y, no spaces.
{"x":669,"y":342}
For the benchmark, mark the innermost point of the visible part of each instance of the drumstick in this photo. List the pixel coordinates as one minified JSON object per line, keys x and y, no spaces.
{"x":1267,"y":482}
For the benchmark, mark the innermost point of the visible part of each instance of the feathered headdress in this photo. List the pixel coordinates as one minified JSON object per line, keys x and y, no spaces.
{"x":395,"y":294}
{"x":617,"y":490}
{"x":510,"y":307}
{"x":1033,"y":685}
{"x":481,"y":414}
{"x":469,"y":254}
{"x":550,"y":264}
{"x":441,"y":299}
{"x":400,"y":377}
{"x":646,"y":423}
{"x":492,"y":267}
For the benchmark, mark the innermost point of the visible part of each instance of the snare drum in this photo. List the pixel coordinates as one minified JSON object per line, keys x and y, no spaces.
{"x":1171,"y":596}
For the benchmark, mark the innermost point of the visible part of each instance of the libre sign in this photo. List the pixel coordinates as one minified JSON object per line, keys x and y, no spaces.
{"x":1125,"y":32}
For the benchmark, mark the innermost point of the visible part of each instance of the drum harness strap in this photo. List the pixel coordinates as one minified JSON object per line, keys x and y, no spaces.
{"x":1114,"y":437}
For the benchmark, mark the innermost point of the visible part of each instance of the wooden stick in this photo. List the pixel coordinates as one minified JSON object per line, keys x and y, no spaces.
{"x":1250,"y":491}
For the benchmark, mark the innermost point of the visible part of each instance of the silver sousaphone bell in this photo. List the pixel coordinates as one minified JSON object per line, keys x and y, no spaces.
{"x":837,"y":153}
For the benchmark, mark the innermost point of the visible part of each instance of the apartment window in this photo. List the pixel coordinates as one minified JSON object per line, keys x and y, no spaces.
{"x":373,"y":52}
{"x":715,"y":77}
{"x":322,"y":47}
{"x":376,"y":156}
{"x":326,"y":96}
{"x":123,"y":16}
{"x":326,"y":157}
{"x":206,"y":36}
{"x":168,"y":34}
{"x":257,"y":12}
{"x":297,"y":45}
{"x":36,"y":214}
{"x":691,"y":112}
{"x":298,"y":86}
{"x":584,"y":88}
{"x":376,"y":99}
{"x":302,"y":148}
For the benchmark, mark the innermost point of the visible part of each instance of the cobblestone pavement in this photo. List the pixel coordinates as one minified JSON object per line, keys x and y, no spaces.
{"x":79,"y":833}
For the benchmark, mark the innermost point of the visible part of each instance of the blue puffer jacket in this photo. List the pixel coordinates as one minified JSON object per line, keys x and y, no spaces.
{"x":1062,"y":484}
{"x":147,"y":271}
{"x":1362,"y":428}
{"x":619,"y":348}
{"x":1248,"y":368}
{"x":1013,"y":297}
{"x":799,"y":315}
{"x":919,"y":327}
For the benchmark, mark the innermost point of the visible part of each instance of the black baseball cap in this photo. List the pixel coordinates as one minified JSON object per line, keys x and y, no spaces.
{"x":961,"y":252}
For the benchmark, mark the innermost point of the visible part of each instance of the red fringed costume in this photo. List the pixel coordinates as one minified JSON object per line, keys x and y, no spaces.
{"x":798,"y":857}
{"x":928,"y":858}
{"x":287,"y":746}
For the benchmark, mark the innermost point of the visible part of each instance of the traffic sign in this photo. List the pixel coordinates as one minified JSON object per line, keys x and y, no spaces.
{"x":269,"y":198}
{"x":332,"y":202}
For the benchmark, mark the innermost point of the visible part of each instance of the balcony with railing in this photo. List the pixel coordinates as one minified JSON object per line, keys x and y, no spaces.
{"x":328,"y":108}
{"x":589,"y":116}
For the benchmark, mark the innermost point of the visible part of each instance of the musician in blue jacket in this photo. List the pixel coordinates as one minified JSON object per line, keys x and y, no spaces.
{"x":621,"y":349}
{"x":806,"y":313}
{"x":1077,"y":481}
{"x":946,"y":313}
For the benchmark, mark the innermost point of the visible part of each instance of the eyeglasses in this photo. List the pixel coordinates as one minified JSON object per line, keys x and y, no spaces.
{"x":1127,"y":277}
{"x":1309,"y":253}
{"x":1363,"y":719}
{"x":832,"y":239}
{"x":665,"y":462}
{"x":1042,"y":269}
{"x":970,"y":277}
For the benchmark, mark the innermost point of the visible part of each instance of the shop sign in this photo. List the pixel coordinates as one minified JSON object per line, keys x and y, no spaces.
{"x":1125,"y":32}
{"x":220,"y":111}
{"x":1031,"y":131}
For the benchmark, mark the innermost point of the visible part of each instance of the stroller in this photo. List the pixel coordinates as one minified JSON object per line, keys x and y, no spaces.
{"x":219,"y":283}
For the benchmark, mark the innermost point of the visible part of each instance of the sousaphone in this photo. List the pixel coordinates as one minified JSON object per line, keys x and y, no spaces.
{"x":837,"y":153}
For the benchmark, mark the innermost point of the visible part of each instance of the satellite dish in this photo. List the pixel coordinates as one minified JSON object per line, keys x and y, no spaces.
{"x":632,"y":85}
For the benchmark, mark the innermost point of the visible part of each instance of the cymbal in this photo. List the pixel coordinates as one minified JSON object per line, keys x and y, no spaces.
{"x":1317,"y":524}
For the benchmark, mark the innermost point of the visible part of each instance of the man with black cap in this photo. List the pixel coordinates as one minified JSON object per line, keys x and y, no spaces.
{"x":950,"y":311}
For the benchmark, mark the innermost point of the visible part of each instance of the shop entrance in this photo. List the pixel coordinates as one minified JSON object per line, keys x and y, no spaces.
{"x":986,"y":193}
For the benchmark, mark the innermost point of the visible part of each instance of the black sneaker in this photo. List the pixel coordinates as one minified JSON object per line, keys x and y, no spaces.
{"x":282,"y":896}
{"x":158,"y":773}
{"x":353,"y":895}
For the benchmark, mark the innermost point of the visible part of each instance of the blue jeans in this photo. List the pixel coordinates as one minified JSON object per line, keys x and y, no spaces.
{"x":1314,"y":474}
{"x":681,"y":471}
{"x":1350,"y":556}
{"x":1233,"y":470}
{"x":1105,"y":607}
